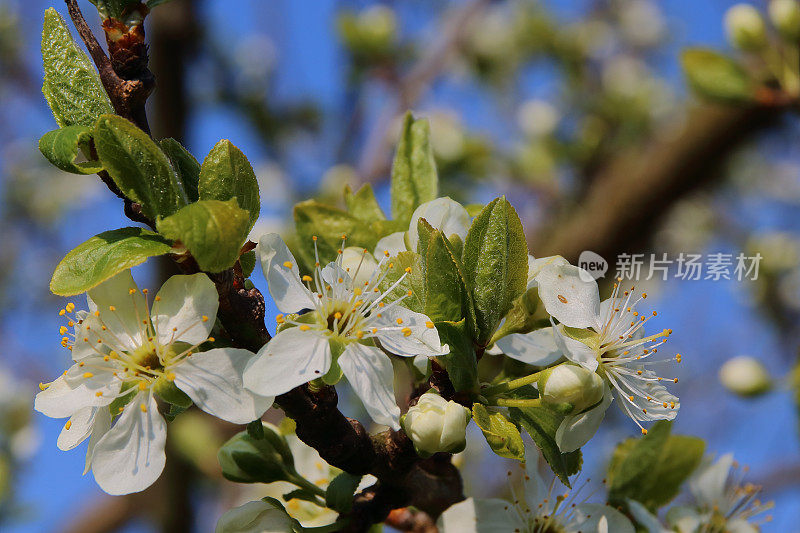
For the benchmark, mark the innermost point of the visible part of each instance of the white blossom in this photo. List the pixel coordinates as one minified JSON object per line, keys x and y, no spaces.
{"x":537,"y":510}
{"x":125,"y":354}
{"x":343,"y":326}
{"x":607,"y":337}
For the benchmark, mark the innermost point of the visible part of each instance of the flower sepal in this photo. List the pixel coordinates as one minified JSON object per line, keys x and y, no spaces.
{"x":167,"y":391}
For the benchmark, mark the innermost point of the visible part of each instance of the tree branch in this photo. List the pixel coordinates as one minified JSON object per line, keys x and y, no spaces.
{"x":128,"y":88}
{"x":376,"y":156}
{"x":635,"y":190}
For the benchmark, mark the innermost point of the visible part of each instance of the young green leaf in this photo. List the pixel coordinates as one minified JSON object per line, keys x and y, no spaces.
{"x":414,"y":178}
{"x":62,"y":146}
{"x":213,"y":231}
{"x":362,"y":204}
{"x":716,"y":77}
{"x":461,"y":363}
{"x":226,"y":173}
{"x":71,"y":86}
{"x":495,"y":264}
{"x":541,"y":424}
{"x":138,"y":166}
{"x":104,"y":256}
{"x":652,"y":469}
{"x":339,"y":495}
{"x":447,"y":297}
{"x":185,"y":166}
{"x":328,"y":224}
{"x":501,"y":434}
{"x":245,"y":459}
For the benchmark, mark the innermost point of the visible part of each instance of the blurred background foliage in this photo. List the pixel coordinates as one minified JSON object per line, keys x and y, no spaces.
{"x":577,"y":110}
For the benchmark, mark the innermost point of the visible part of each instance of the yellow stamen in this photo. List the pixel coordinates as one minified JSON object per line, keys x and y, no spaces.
{"x":287,"y":264}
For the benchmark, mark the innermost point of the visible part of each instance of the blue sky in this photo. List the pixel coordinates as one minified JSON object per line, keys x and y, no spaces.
{"x":712,"y":321}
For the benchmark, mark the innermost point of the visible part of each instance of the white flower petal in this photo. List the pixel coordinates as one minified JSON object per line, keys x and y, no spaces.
{"x":478,"y":516}
{"x":88,"y":330}
{"x":685,"y":519}
{"x":291,"y":358}
{"x":739,"y":525}
{"x":213,"y":380}
{"x":414,"y":334}
{"x":393,"y":243}
{"x":360,"y":264}
{"x":122,"y":308}
{"x":102,"y":423}
{"x":77,"y":428}
{"x":536,"y":265}
{"x":443,"y":214}
{"x":568,"y":297}
{"x":534,"y":348}
{"x":370,"y":373}
{"x":575,"y":351}
{"x":576,"y":430}
{"x":65,"y":397}
{"x":645,"y":518}
{"x":601,"y":518}
{"x":284,"y":282}
{"x":184,"y":309}
{"x":535,"y":489}
{"x":709,"y":481}
{"x":130,"y":457}
{"x":255,"y":517}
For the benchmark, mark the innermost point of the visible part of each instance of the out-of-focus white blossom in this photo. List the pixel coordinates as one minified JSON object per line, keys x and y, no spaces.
{"x":745,"y":376}
{"x":745,"y":27}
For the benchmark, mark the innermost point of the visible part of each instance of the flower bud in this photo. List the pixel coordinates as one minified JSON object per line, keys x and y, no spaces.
{"x":570,"y":388}
{"x":745,"y":27}
{"x":745,"y":376}
{"x":260,"y":515}
{"x":437,"y":425}
{"x":785,"y":15}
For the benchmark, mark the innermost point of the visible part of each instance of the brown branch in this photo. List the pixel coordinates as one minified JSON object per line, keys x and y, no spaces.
{"x":375,"y":158}
{"x":628,"y":197}
{"x":127,"y":88}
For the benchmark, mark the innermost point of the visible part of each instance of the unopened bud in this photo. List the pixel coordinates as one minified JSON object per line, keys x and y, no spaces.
{"x":745,"y":376}
{"x":570,"y":388}
{"x":785,"y":15}
{"x":745,"y":27}
{"x":437,"y":425}
{"x":259,"y":515}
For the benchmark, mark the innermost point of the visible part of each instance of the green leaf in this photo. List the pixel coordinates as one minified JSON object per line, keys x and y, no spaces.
{"x":541,"y":424}
{"x":652,"y":469}
{"x":414,"y":281}
{"x":104,"y":256}
{"x":363,"y":204}
{"x":521,"y":317}
{"x":495,"y":264}
{"x":328,"y":224}
{"x":226,"y":173}
{"x":716,"y":77}
{"x":339,"y":495}
{"x":213,"y":231}
{"x":245,"y":459}
{"x":185,"y":166}
{"x":62,"y":146}
{"x":71,"y":86}
{"x":501,"y":434}
{"x":414,"y":179}
{"x":447,"y":297}
{"x":248,"y":262}
{"x":461,"y":363}
{"x":138,"y":166}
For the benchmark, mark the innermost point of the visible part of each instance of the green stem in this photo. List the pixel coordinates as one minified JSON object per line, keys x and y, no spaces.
{"x":500,"y":388}
{"x":512,"y":402}
{"x":303,"y":483}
